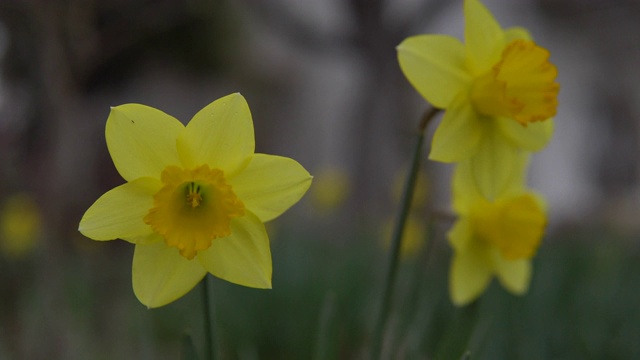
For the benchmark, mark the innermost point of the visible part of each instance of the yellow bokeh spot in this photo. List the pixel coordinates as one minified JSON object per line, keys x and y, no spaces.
{"x":330,"y":189}
{"x":414,"y":237}
{"x":514,"y":226}
{"x":20,"y":225}
{"x":520,"y":86}
{"x":193,"y":207}
{"x":420,"y":190}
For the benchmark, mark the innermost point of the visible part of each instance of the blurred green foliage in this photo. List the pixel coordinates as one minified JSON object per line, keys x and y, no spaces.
{"x":583,"y":304}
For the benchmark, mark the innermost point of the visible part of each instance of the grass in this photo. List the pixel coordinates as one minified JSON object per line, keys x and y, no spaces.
{"x":583,"y":304}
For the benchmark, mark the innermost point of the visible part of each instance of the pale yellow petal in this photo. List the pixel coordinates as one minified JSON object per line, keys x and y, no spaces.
{"x":161,"y":275}
{"x":540,"y":199}
{"x":220,"y":135}
{"x":435,"y":66}
{"x":533,"y":137}
{"x":144,"y":240}
{"x":244,"y":257}
{"x":461,"y":234}
{"x":516,"y":33}
{"x":483,"y":35}
{"x":142,"y":140}
{"x":517,"y":184}
{"x":458,"y":134}
{"x":515,"y":275}
{"x":465,"y":188}
{"x":119,"y":212}
{"x":469,"y":277}
{"x":269,"y":185}
{"x":495,"y":165}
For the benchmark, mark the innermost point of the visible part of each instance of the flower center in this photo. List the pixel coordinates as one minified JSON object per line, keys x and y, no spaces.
{"x":193,"y":197}
{"x":520,"y":86}
{"x":193,"y":207}
{"x":514,"y":226}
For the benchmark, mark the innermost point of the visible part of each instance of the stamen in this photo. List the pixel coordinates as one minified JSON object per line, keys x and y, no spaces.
{"x":193,"y":208}
{"x":194,"y":197}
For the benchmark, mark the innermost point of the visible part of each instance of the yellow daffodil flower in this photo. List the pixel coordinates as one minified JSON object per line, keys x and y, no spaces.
{"x":195,"y":200}
{"x":498,"y":90}
{"x":493,"y":237}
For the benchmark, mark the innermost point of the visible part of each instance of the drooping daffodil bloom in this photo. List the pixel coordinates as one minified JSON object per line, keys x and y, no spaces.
{"x":498,"y":90}
{"x":493,"y":237}
{"x":195,"y":200}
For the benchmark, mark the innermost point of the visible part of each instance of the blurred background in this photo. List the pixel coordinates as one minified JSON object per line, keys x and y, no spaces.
{"x":324,"y":87}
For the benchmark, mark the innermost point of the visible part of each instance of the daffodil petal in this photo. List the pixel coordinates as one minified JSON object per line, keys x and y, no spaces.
{"x":483,"y":35}
{"x":242,"y":258}
{"x":142,"y":140}
{"x":458,"y":134}
{"x":465,"y":189}
{"x":515,"y":276}
{"x":516,"y":33}
{"x":435,"y":66}
{"x":517,"y":183}
{"x":270,"y":184}
{"x":469,"y":277}
{"x":461,"y":234}
{"x":161,"y":275}
{"x":119,"y":212}
{"x":533,"y":137}
{"x":220,"y":135}
{"x":495,"y":165}
{"x":144,"y":239}
{"x":538,"y":198}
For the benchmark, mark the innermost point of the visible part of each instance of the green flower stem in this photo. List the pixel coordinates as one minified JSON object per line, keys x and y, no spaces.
{"x":208,"y":326}
{"x":396,"y":241}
